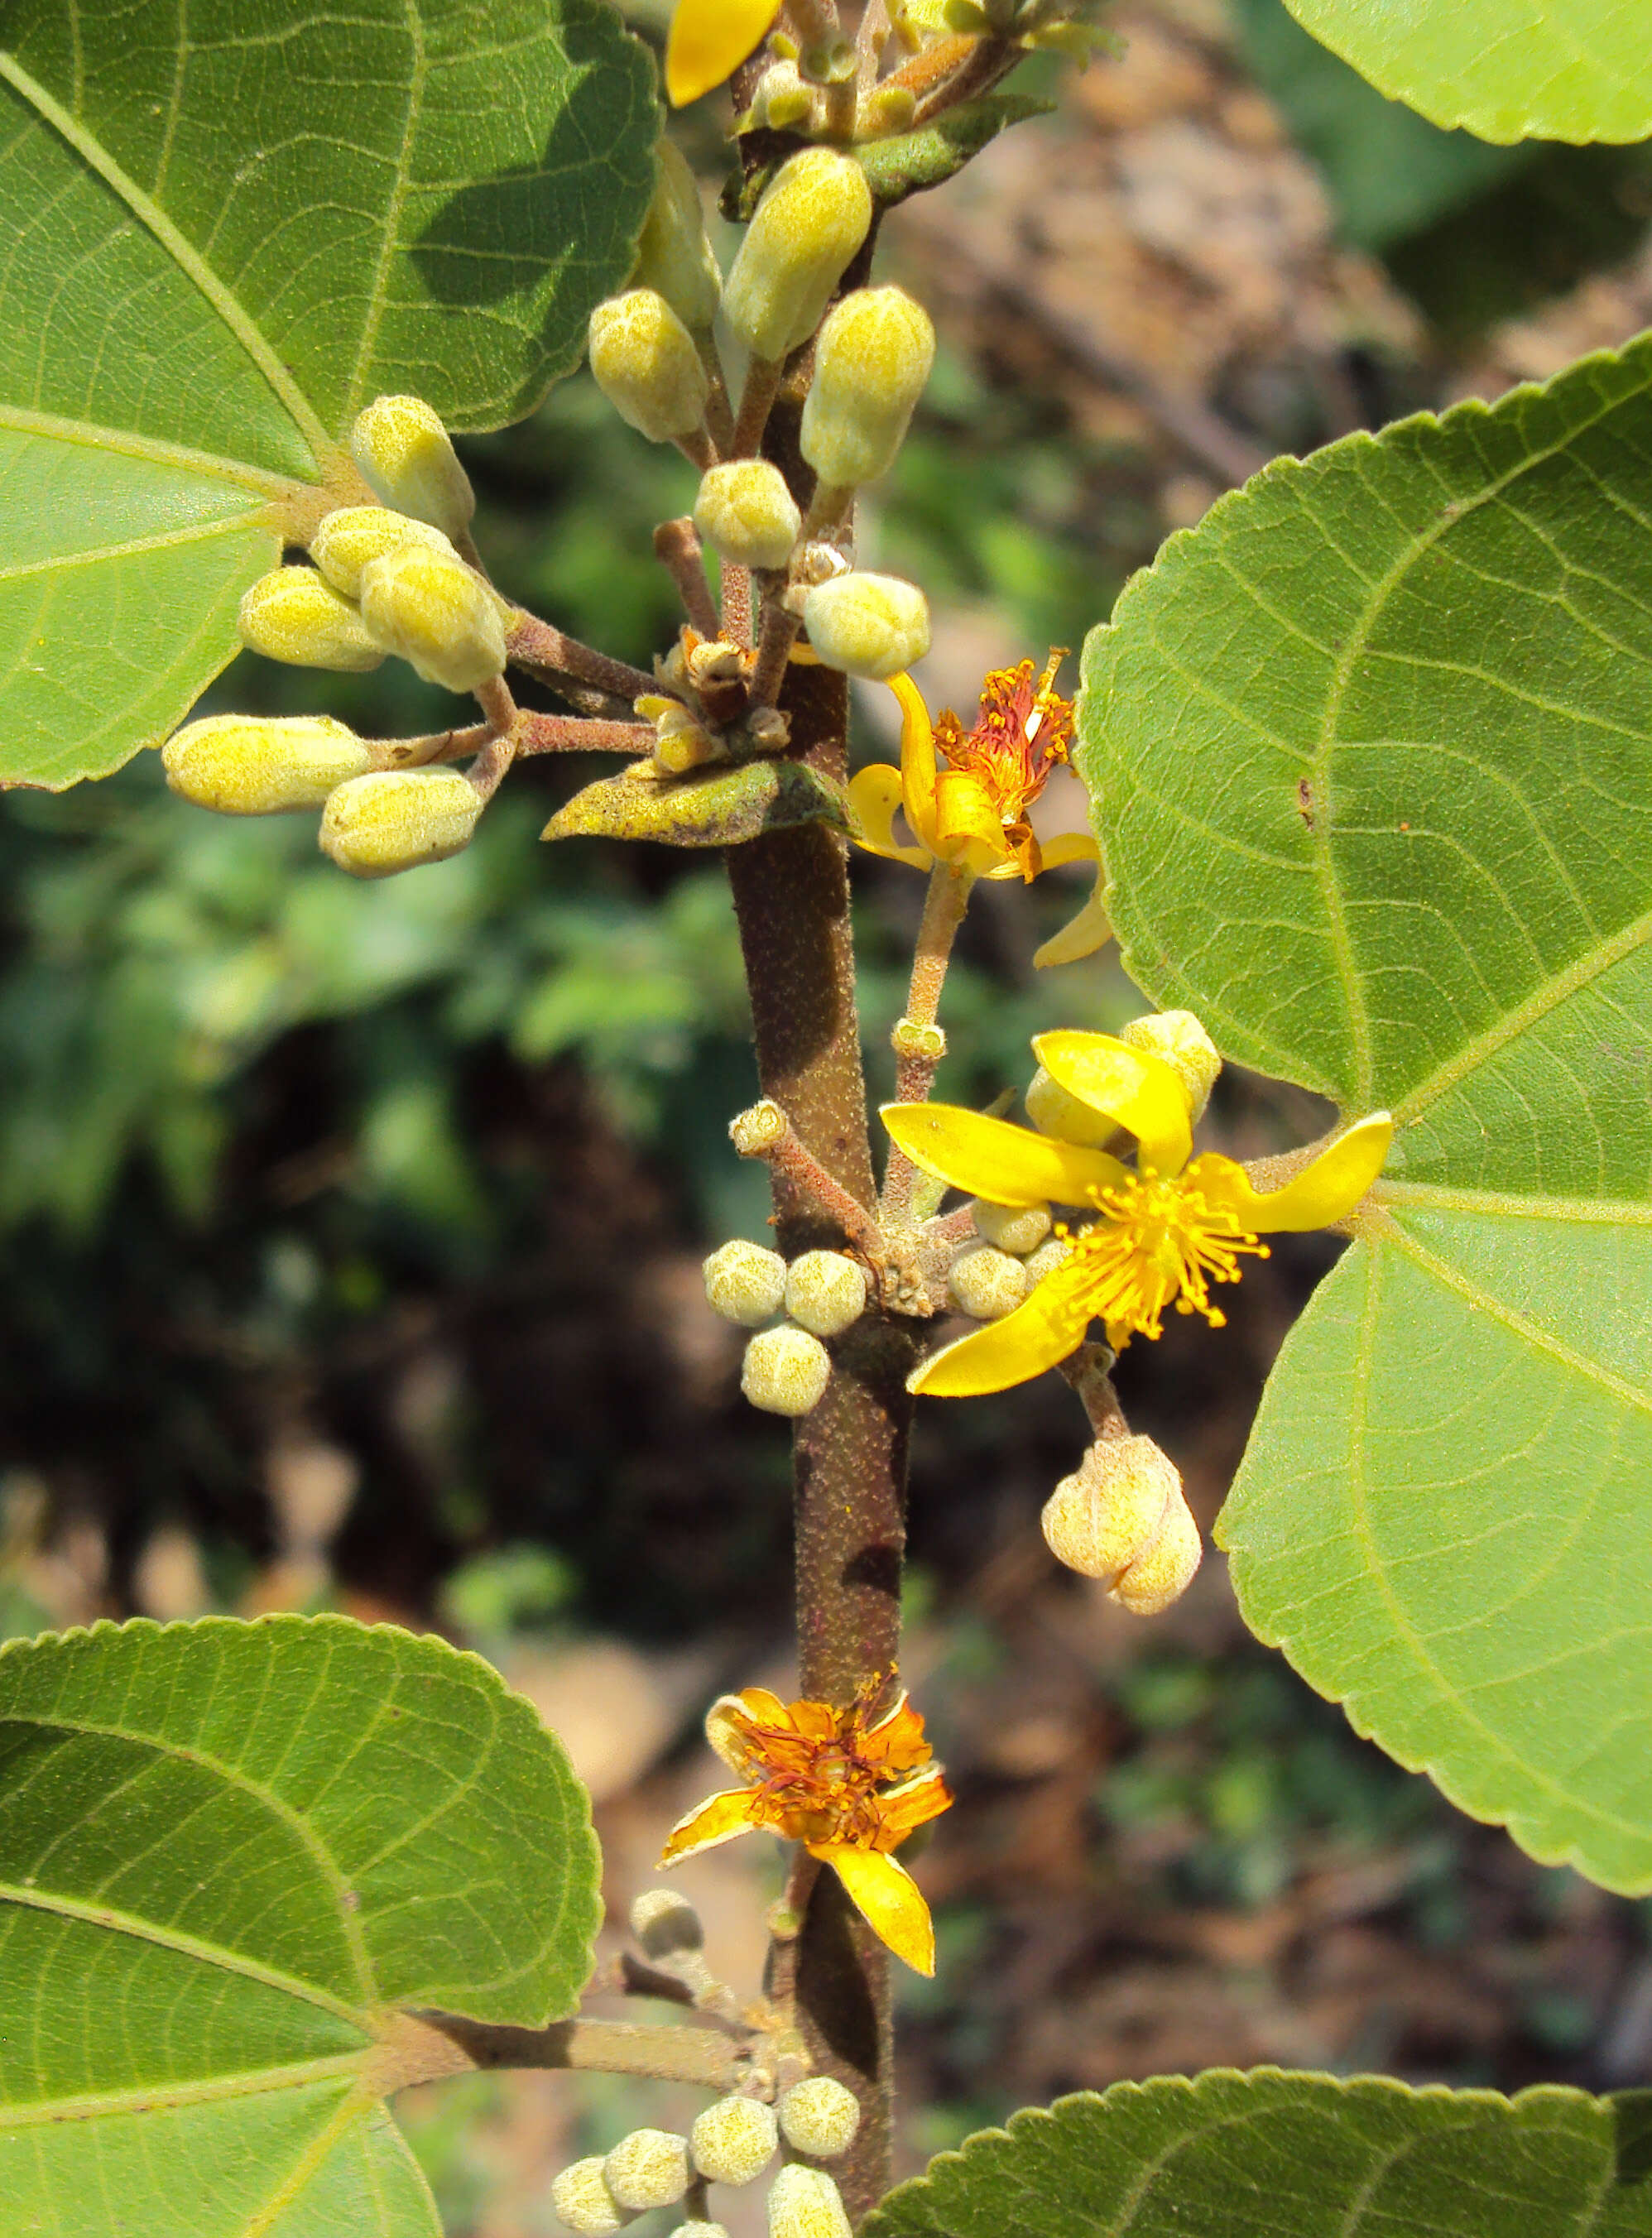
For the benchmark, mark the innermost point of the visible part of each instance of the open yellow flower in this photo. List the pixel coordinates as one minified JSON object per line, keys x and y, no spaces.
{"x":709,"y":40}
{"x":1164,"y":1234}
{"x":850,"y":1784}
{"x":971,"y":809}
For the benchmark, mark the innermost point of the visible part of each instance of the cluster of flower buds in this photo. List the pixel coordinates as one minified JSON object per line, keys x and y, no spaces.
{"x":787,"y":1366}
{"x":1122,"y":1517}
{"x":1066,"y":27}
{"x":1013,"y":1248}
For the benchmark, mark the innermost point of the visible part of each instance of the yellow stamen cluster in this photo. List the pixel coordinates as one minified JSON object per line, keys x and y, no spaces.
{"x":1021,"y":733}
{"x":1157,"y":1242}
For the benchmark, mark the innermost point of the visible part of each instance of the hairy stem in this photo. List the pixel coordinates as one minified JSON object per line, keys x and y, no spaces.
{"x":671,"y":2053}
{"x":918,"y":1047}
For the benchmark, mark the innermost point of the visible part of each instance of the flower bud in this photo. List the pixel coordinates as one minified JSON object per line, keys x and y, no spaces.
{"x":257,"y":764}
{"x":825,"y":1292}
{"x":869,"y":626}
{"x":804,"y":2202}
{"x":347,"y":539}
{"x":647,"y":2168}
{"x":405,"y":451}
{"x":395,"y":819}
{"x":758,"y":1129}
{"x":1055,"y":1111}
{"x":644,"y":360}
{"x":700,"y":2230}
{"x":674,"y":256}
{"x":734,"y":2141}
{"x":1178,"y":1037}
{"x":820,"y":2116}
{"x":1015,"y":1228}
{"x":583,"y":2202}
{"x":811,"y":222}
{"x":786,"y":1371}
{"x":987,"y":1283}
{"x":428,"y":607}
{"x":291,"y":614}
{"x":745,"y":1283}
{"x":1048,"y":1257}
{"x":665,"y":1923}
{"x":1165,"y":1572}
{"x":871,"y":361}
{"x":1112,"y":1508}
{"x":745,"y":513}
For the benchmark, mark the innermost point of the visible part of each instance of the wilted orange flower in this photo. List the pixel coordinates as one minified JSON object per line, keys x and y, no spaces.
{"x":850,"y":1784}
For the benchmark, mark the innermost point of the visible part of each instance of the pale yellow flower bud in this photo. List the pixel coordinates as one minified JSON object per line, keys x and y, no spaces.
{"x":1056,"y":1113}
{"x":674,"y":256}
{"x":293,"y":614}
{"x":665,"y":1922}
{"x":643,"y":360}
{"x":700,"y":2230}
{"x":347,"y":539}
{"x":813,"y":218}
{"x":825,"y":1293}
{"x":745,"y":513}
{"x":647,"y":2168}
{"x":1178,"y":1037}
{"x":1048,"y":1257}
{"x":395,"y":819}
{"x":427,"y":606}
{"x":804,"y":2202}
{"x":1015,"y":1228}
{"x":820,"y":2116}
{"x":258,"y":764}
{"x":1165,"y":1572}
{"x":987,"y":1283}
{"x":867,"y":625}
{"x":786,"y":1371}
{"x":734,"y":2141}
{"x":406,"y":453}
{"x":744,"y":1282}
{"x":759,"y":1127}
{"x":1112,"y":1508}
{"x":871,"y":361}
{"x":583,"y":2202}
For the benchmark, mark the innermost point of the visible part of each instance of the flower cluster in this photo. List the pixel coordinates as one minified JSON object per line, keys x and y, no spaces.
{"x":822,"y":1293}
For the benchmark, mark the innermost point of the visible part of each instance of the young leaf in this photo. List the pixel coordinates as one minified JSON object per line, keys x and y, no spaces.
{"x":1509,"y":69}
{"x":1372,"y":749}
{"x":225,"y":239}
{"x":234,"y":1860}
{"x":1274,"y":2156}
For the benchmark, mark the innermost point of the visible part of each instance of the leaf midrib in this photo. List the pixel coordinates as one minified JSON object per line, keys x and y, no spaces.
{"x":152,"y":450}
{"x":1506,"y":1204}
{"x":170,"y":2097}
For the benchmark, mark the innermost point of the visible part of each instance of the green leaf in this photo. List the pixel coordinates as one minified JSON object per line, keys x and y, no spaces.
{"x":1275,"y":2155}
{"x":718,"y":808}
{"x":1372,"y":749}
{"x":234,"y":1859}
{"x":226,"y":237}
{"x":1509,"y":69}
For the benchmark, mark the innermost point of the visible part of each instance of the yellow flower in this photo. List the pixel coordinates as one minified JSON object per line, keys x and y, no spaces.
{"x":972,"y":810}
{"x":1166,"y":1233}
{"x":709,"y":40}
{"x":850,"y":1784}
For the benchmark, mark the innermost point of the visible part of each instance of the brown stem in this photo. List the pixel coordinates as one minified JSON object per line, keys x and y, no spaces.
{"x":699,"y":448}
{"x":992,"y":59}
{"x":757,"y":400}
{"x":435,"y":746}
{"x":734,"y":586}
{"x":671,"y":2053}
{"x":719,"y":417}
{"x":678,"y":548}
{"x":775,"y":637}
{"x":919,"y":1045}
{"x":577,"y":734}
{"x":543,"y":649}
{"x":765,"y":1132}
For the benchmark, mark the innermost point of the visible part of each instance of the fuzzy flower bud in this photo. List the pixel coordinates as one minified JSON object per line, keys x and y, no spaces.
{"x":427,"y":606}
{"x":1053,"y":1110}
{"x":744,"y":1282}
{"x":1165,"y":1572}
{"x":700,"y":2230}
{"x":734,"y":2141}
{"x":825,"y":1293}
{"x":291,"y":614}
{"x":257,"y":764}
{"x":745,"y":513}
{"x":871,"y":361}
{"x":583,"y":2202}
{"x":647,"y":2168}
{"x":813,"y":218}
{"x":987,"y":1283}
{"x":674,"y":256}
{"x":804,"y":2202}
{"x":643,"y":360}
{"x":406,"y":453}
{"x":1048,"y":1257}
{"x":1178,"y":1037}
{"x":1120,"y":1518}
{"x":395,"y":819}
{"x":786,"y":1371}
{"x":869,"y":626}
{"x":665,"y":1923}
{"x":347,"y":539}
{"x":1015,"y":1228}
{"x":820,"y":2116}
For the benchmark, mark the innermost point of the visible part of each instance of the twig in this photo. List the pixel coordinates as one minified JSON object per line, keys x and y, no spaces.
{"x":918,"y":1040}
{"x":757,"y":400}
{"x":671,"y":2054}
{"x":578,"y":734}
{"x":765,"y":1132}
{"x":677,"y":546}
{"x":699,"y":448}
{"x":776,"y":638}
{"x":734,"y":585}
{"x":540,"y":647}
{"x":719,"y":419}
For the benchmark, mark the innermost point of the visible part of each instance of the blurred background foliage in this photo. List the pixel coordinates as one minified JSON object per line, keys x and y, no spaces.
{"x":349,"y":1235}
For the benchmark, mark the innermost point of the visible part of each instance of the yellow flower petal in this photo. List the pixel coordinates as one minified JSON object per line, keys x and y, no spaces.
{"x":1141,"y":1092}
{"x":1035,"y":1336}
{"x":717,"y":1819}
{"x":1327,"y":1190}
{"x":968,"y":828}
{"x":874,"y":795}
{"x":991,"y":1158}
{"x":728,"y":1721}
{"x":917,"y":760}
{"x":887,"y":1898}
{"x":1092,"y":928}
{"x":709,"y":40}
